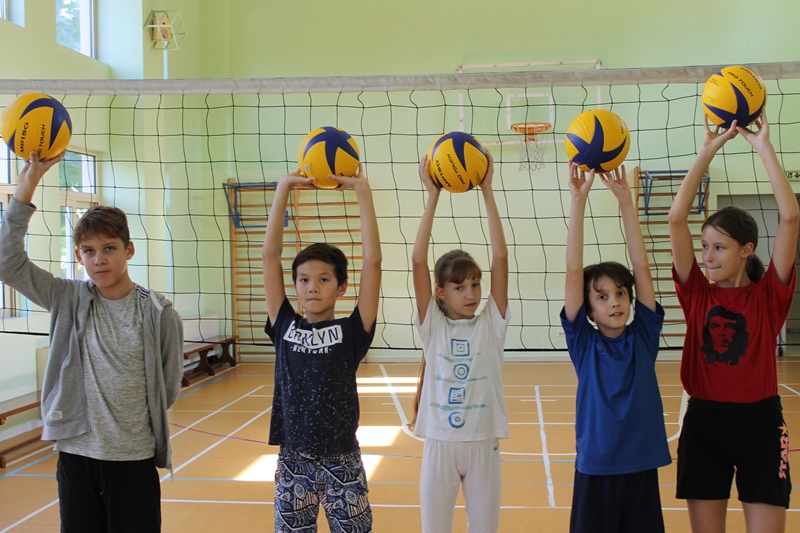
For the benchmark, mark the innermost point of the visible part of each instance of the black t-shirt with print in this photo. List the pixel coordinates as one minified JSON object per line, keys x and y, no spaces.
{"x":315,"y":403}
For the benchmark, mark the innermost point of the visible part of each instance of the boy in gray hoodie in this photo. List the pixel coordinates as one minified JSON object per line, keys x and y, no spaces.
{"x":115,"y":367}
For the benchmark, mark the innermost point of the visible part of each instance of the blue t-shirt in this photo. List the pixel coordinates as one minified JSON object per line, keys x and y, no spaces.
{"x":619,"y":425}
{"x":315,"y":403}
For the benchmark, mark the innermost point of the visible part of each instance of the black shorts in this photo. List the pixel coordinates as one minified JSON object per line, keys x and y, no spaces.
{"x":624,"y":503}
{"x":719,"y":439}
{"x":98,"y":496}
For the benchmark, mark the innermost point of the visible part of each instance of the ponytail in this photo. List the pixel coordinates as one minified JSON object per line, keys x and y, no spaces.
{"x":418,"y":394}
{"x":755,"y":268}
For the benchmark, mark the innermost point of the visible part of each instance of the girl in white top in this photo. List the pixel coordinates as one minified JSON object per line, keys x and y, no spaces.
{"x":460,"y":410}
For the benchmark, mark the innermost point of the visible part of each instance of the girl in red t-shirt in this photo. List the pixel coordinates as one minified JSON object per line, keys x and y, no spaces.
{"x":734,"y":421}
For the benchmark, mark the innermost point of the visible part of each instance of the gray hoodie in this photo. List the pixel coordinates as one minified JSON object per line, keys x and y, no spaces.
{"x":64,"y":406}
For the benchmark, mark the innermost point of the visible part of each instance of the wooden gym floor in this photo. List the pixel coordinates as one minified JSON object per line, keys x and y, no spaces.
{"x":223,"y":468}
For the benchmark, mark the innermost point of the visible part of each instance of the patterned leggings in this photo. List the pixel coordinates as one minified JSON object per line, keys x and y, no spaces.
{"x":337,"y":482}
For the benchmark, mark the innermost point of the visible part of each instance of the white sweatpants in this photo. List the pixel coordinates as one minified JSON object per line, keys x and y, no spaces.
{"x":445,"y":466}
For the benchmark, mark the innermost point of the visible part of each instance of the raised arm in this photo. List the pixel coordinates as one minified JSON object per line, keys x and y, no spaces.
{"x":785,"y":247}
{"x":680,"y":235}
{"x":370,"y":287}
{"x":419,"y":257}
{"x":31,"y":175}
{"x":617,"y":182}
{"x":271,"y":252}
{"x":499,"y":287}
{"x":16,"y":268}
{"x":579,"y":186}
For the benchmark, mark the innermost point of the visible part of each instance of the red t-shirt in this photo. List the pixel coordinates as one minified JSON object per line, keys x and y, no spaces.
{"x":731,"y":336}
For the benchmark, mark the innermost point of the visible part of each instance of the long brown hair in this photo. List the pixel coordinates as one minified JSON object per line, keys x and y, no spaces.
{"x":454,"y":266}
{"x":740,"y":226}
{"x":418,"y":394}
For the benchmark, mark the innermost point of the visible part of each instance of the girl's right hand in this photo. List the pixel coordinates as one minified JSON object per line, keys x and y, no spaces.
{"x":760,"y":137}
{"x":579,"y":184}
{"x":617,"y":183}
{"x":432,"y":188}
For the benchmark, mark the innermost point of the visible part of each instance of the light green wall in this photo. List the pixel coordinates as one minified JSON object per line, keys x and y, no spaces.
{"x":361,"y":37}
{"x":32,"y":51}
{"x":265,"y":38}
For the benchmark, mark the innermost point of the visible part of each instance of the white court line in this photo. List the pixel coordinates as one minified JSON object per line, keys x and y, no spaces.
{"x":540,"y":423}
{"x":397,"y":405}
{"x":23,"y":520}
{"x":684,"y":404}
{"x":48,"y":448}
{"x":415,"y":506}
{"x":532,"y":454}
{"x":171,"y":437}
{"x":220,"y":441}
{"x":217,"y":374}
{"x":193,"y":424}
{"x":791,"y":389}
{"x":551,"y":498}
{"x":382,"y":505}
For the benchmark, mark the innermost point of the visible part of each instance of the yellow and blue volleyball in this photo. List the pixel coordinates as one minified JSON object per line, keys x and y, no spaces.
{"x":328,"y":150}
{"x":36,"y":122}
{"x":734,"y":93}
{"x":457,"y":162}
{"x":598,"y":140}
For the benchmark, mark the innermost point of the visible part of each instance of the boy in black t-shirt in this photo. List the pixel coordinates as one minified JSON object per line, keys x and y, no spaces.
{"x":315,"y":404}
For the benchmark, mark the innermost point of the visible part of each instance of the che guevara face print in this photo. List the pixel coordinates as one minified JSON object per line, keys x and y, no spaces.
{"x":725,"y":336}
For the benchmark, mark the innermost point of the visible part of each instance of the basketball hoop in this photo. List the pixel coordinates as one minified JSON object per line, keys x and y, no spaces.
{"x":531,"y":150}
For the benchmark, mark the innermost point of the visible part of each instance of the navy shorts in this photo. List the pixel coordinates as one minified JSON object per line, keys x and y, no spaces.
{"x":719,"y":440}
{"x":624,"y":503}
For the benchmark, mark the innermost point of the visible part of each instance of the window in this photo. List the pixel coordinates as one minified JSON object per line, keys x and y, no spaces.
{"x":78,"y":184}
{"x":6,"y":190}
{"x":5,"y":164}
{"x":6,"y":294}
{"x":77,"y":175}
{"x":13,"y":11}
{"x":75,"y":25}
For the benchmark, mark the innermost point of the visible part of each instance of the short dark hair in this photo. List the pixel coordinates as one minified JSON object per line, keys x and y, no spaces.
{"x":327,"y":253}
{"x":616,"y":272}
{"x":103,"y":220}
{"x":740,"y":226}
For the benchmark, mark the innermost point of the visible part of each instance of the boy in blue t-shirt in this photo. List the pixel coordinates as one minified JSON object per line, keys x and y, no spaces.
{"x":620,"y":436}
{"x":315,"y":404}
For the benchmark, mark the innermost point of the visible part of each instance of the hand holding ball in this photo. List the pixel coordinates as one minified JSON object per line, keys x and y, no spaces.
{"x":734,"y":93}
{"x":328,"y":150}
{"x":598,"y":140}
{"x":36,"y":122}
{"x":458,"y":162}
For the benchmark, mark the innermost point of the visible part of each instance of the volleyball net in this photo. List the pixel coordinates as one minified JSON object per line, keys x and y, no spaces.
{"x":194,"y":162}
